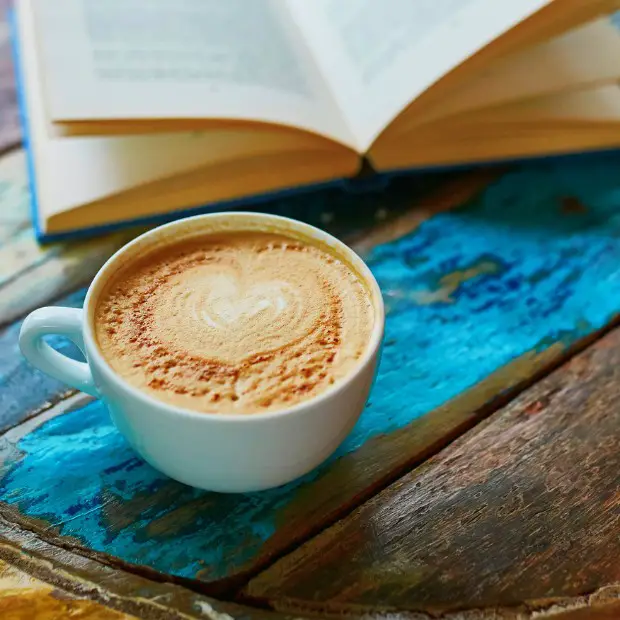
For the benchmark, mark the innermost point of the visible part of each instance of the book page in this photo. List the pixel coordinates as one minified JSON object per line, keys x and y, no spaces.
{"x":379,"y":56}
{"x":586,"y":56}
{"x":599,"y":105}
{"x":568,"y":122}
{"x":71,"y":172}
{"x":162,"y":59}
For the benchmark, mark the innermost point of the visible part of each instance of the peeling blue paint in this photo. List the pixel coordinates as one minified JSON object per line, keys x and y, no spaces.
{"x":470,"y":291}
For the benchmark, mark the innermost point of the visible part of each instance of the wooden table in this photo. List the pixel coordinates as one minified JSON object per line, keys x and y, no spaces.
{"x":482,"y":481}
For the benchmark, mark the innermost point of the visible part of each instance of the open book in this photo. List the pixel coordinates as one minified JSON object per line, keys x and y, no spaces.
{"x":137,"y":108}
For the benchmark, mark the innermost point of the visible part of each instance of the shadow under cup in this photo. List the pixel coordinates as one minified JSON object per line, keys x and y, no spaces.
{"x":219,"y":452}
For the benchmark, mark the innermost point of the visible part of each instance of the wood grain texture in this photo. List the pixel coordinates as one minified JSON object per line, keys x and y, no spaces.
{"x":73,"y":577}
{"x":23,"y":597}
{"x":480,"y":301}
{"x":88,"y":584}
{"x":521,"y":512}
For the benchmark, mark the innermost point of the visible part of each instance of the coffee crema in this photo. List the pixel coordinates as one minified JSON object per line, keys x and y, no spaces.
{"x":244,"y":322}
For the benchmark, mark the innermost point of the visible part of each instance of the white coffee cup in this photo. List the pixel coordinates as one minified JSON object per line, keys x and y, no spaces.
{"x":218,"y":452}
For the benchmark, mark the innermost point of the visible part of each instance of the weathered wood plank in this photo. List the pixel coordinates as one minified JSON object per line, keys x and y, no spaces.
{"x":480,"y":301}
{"x":10,"y":128}
{"x":392,"y":223}
{"x":14,"y":195}
{"x":76,"y":577}
{"x":43,"y":582}
{"x":522,"y":512}
{"x":23,"y":597}
{"x":24,"y":390}
{"x":32,"y":275}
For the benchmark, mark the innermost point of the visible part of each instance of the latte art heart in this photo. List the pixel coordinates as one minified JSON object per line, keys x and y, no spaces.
{"x":228,"y":304}
{"x":239,"y":322}
{"x":227,"y":308}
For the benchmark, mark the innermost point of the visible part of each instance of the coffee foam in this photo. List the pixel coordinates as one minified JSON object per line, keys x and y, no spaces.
{"x":235,"y":322}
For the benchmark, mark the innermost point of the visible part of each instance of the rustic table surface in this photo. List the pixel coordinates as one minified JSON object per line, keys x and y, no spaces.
{"x":482,"y":481}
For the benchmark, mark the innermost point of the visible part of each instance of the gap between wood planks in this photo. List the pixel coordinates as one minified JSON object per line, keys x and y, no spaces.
{"x":86,"y":579}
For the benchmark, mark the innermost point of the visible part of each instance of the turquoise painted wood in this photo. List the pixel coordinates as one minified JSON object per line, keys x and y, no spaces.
{"x":532,"y":265}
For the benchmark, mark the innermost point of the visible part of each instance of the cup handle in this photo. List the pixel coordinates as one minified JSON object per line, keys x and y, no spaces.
{"x":63,"y":322}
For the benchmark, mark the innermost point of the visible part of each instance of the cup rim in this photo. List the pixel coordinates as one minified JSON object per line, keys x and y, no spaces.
{"x":371,"y":349}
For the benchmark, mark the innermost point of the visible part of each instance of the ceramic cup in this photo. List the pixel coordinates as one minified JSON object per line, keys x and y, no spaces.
{"x":218,"y":452}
